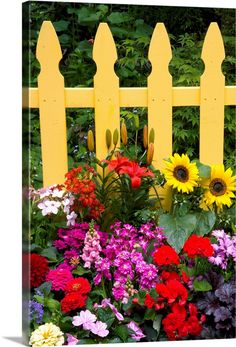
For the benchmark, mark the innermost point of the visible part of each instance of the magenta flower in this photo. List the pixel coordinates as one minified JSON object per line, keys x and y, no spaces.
{"x":71,"y":340}
{"x":99,"y":328}
{"x":59,"y":278}
{"x":85,"y":318}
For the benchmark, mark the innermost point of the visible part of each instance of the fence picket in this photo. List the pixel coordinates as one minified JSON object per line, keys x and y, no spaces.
{"x":160,"y":100}
{"x":106,"y":88}
{"x":51,"y":107}
{"x":212,"y":86}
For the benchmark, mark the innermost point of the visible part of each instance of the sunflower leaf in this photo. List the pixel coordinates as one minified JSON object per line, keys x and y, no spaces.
{"x":178,"y":229}
{"x":205,"y":222}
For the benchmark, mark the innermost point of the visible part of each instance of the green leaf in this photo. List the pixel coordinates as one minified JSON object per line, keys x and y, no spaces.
{"x":39,"y":299}
{"x":118,"y":17}
{"x":52,"y":304}
{"x":61,"y":25}
{"x":45,"y":288}
{"x":177,"y":229}
{"x":150,"y":314}
{"x":122,"y":332}
{"x":204,"y":170}
{"x":150,"y":332}
{"x":106,"y":316}
{"x":205,"y":222}
{"x":80,"y":271}
{"x":157,"y":323}
{"x":50,"y":253}
{"x":202,"y":286}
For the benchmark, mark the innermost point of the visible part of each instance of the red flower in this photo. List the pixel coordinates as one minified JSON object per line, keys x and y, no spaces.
{"x":171,"y":325}
{"x":72,"y":301}
{"x":173,"y":291}
{"x":166,"y":275}
{"x":118,"y":163}
{"x":194,"y":327}
{"x":166,"y":255}
{"x":149,"y":301}
{"x":185,"y":277}
{"x":135,"y":172}
{"x":198,"y":246}
{"x":38,"y":269}
{"x":78,"y":285}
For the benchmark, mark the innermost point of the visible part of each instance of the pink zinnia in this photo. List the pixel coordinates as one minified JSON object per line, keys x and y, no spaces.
{"x":59,"y":278}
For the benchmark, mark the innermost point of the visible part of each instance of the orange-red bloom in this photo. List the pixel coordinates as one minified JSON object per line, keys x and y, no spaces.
{"x":198,"y":246}
{"x":166,"y":255}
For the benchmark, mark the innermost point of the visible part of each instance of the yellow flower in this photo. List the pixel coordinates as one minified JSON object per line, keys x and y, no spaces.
{"x":47,"y":335}
{"x":219,"y":188}
{"x":180,"y":173}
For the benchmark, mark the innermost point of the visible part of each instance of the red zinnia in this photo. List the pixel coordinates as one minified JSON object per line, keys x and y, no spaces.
{"x":72,"y":301}
{"x":38,"y":269}
{"x":166,"y":255}
{"x":198,"y":246}
{"x":78,"y":285}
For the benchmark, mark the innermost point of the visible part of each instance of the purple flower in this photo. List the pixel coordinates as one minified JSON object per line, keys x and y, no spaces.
{"x":222,"y":313}
{"x":99,"y":328}
{"x":223,"y":250}
{"x":36,"y":311}
{"x":137,"y":334}
{"x":107,"y":302}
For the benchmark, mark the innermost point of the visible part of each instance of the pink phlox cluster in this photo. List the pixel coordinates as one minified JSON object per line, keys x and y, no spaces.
{"x":224,"y":249}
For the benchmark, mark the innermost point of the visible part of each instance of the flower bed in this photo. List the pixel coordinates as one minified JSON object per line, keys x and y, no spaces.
{"x":109,"y":264}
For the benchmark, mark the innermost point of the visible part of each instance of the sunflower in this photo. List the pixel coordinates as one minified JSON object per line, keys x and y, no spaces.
{"x":219,"y":187}
{"x":180,"y":173}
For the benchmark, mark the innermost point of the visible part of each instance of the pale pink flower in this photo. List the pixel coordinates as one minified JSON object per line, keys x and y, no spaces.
{"x":49,"y":206}
{"x":71,"y":340}
{"x":71,"y":218}
{"x":99,"y":328}
{"x":85,"y":318}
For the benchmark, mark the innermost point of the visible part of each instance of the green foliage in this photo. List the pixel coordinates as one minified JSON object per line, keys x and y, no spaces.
{"x":132,"y":27}
{"x":201,"y":286}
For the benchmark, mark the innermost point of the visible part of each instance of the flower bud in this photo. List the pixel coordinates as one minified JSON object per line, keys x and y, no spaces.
{"x":145,"y":136}
{"x":90,"y":141}
{"x":115,"y":137}
{"x":136,"y":121}
{"x":124,"y":136}
{"x":150,"y":153}
{"x":151,"y":136}
{"x":108,"y":138}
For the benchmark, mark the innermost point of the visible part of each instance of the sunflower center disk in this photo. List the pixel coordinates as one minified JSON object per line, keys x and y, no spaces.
{"x":217,"y":187}
{"x":181,"y":173}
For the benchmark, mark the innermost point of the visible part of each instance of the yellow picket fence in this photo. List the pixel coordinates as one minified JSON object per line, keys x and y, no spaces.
{"x":106,"y":97}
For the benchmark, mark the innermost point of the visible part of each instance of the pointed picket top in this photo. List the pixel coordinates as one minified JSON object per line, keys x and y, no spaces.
{"x":106,"y":89}
{"x":48,"y":51}
{"x":159,"y":52}
{"x":213,"y":52}
{"x":104,"y":49}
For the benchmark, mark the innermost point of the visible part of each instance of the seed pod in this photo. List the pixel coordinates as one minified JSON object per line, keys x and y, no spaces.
{"x":124,"y":136}
{"x":136,"y":121}
{"x":145,"y":136}
{"x":150,"y":153}
{"x":90,"y":141}
{"x":108,"y":138}
{"x":115,"y":137}
{"x":151,"y":136}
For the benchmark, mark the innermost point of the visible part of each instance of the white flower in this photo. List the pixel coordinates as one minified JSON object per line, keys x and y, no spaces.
{"x":49,"y":206}
{"x":71,"y":218}
{"x":56,"y":193}
{"x":47,"y":335}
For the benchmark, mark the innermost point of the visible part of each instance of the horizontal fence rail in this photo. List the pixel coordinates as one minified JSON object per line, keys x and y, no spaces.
{"x":106,"y":97}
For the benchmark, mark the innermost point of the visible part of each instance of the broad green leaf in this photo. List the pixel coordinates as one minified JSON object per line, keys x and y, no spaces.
{"x":177,"y":229}
{"x":204,"y":170}
{"x":52,"y":304}
{"x":50,"y":253}
{"x":45,"y":288}
{"x":157,"y":323}
{"x":80,"y":271}
{"x":61,"y":25}
{"x":118,"y":17}
{"x":205,"y":222}
{"x":150,"y":332}
{"x":201,"y":286}
{"x":122,"y":332}
{"x":150,"y":314}
{"x":106,"y":316}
